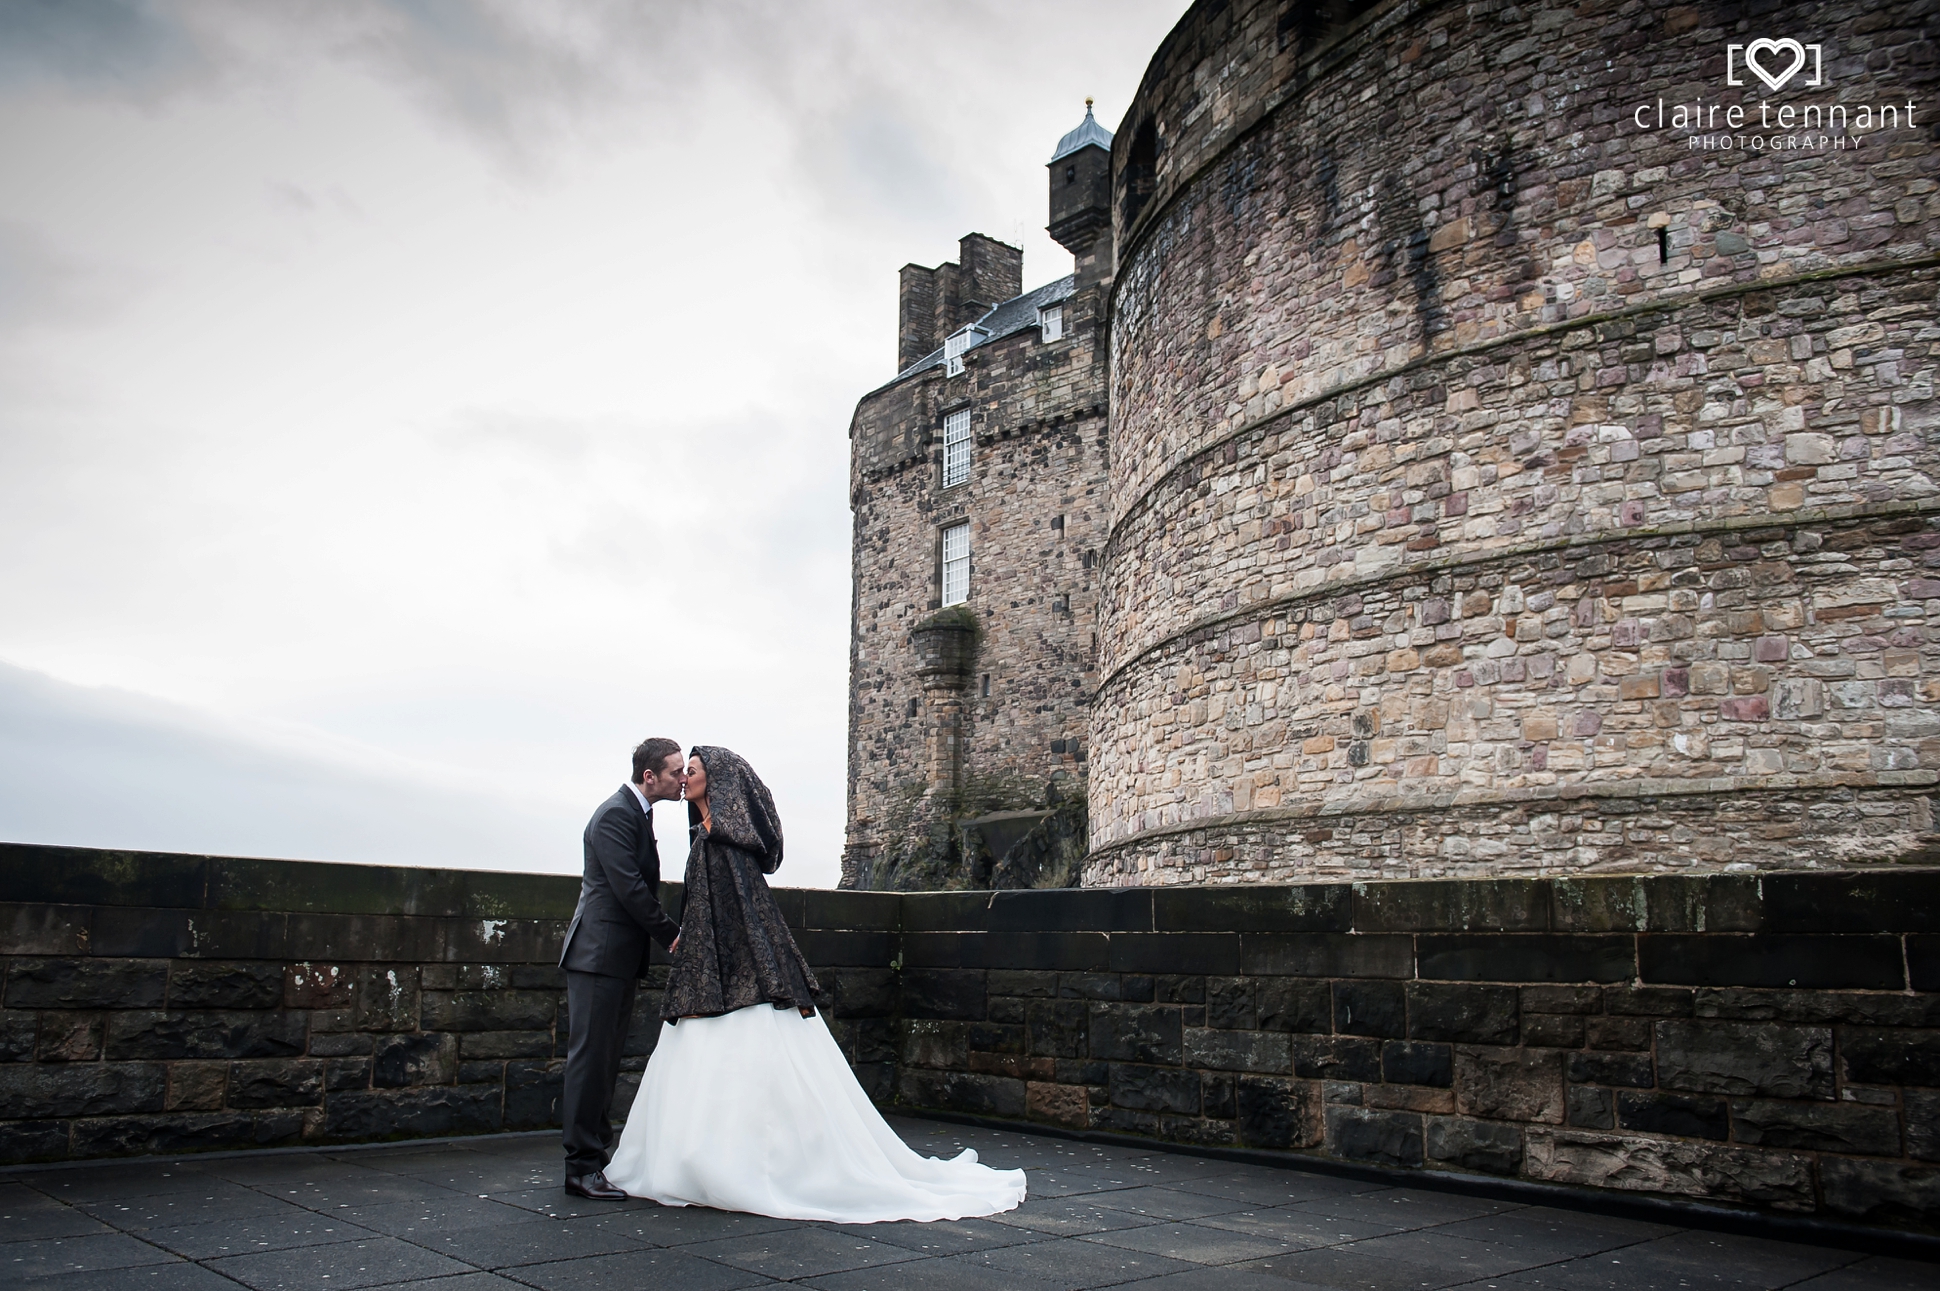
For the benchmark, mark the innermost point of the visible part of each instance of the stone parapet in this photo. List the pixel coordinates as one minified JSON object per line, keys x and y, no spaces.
{"x":1766,"y":1041}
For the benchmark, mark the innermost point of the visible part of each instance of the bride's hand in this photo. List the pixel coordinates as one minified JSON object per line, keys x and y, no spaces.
{"x":676,"y":946}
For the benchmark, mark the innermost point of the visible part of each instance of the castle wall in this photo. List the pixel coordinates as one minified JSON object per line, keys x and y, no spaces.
{"x":1035,"y":502}
{"x":1499,"y":486}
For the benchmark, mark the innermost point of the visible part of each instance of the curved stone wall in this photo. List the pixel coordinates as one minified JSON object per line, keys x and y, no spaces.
{"x":1502,"y":481}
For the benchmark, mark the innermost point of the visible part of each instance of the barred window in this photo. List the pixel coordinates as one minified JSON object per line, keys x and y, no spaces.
{"x":956,"y":564}
{"x":1051,"y":320}
{"x":956,"y":448}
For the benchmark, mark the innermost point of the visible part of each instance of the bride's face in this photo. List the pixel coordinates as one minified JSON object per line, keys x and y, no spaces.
{"x":696,"y":779}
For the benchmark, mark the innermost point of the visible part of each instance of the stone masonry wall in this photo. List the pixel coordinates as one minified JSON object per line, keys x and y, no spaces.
{"x":1035,"y":501}
{"x":1500,"y":485}
{"x":1771,"y":1041}
{"x":164,"y":1003}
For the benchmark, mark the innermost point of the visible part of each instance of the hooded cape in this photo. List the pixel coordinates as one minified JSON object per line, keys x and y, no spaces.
{"x":735,"y":949}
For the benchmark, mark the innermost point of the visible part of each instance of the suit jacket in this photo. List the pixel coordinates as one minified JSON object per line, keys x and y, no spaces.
{"x":619,"y":894}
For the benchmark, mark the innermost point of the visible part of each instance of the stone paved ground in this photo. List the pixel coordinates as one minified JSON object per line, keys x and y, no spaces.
{"x":489,"y":1215}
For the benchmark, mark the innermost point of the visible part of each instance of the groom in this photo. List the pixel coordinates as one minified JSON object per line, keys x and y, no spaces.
{"x":606,"y":955}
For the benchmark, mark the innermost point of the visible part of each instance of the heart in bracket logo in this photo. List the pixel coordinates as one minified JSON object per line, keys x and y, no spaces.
{"x":1765,"y":46}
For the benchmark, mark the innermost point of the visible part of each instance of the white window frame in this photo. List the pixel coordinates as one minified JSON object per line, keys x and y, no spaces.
{"x":955,"y":346}
{"x":1050,"y":322}
{"x":956,"y":448}
{"x":955,"y":547}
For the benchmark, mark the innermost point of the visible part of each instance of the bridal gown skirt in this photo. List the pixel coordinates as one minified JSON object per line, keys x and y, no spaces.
{"x":756,"y":1110}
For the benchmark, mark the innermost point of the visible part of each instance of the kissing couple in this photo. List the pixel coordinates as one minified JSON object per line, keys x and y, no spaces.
{"x":747,"y":1103}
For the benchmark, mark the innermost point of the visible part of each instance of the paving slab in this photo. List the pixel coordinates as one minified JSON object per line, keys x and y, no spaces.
{"x":490,"y":1216}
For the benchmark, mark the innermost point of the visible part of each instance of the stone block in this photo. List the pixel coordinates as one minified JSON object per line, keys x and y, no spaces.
{"x":196,"y":1086}
{"x":824,"y":908}
{"x":1474,"y":1145}
{"x":1154,"y":1089}
{"x":206,"y":1034}
{"x":112,"y":1136}
{"x":1074,"y":910}
{"x":1923,"y":963}
{"x":1850,"y":1128}
{"x":1587,"y":1107}
{"x":943,"y":993}
{"x":1372,"y":1008}
{"x":1528,"y":957}
{"x":1311,"y":908}
{"x":505,"y":1044}
{"x":1363,"y":1134}
{"x":34,"y":1092}
{"x":1405,"y":1062}
{"x":502,"y":1010}
{"x":938,"y":912}
{"x":1326,"y":955}
{"x":346,"y":1073}
{"x":86,"y":984}
{"x":385,"y":998}
{"x":1123,"y":1120}
{"x":862,"y":992}
{"x":1467,"y":905}
{"x":1745,"y":1058}
{"x":71,"y":1037}
{"x":537,"y":977}
{"x":411,"y":1113}
{"x":1336,"y":1058}
{"x":1091,"y":986}
{"x":1265,"y":1051}
{"x":1058,"y":1104}
{"x":23,"y":1141}
{"x":286,"y":1083}
{"x":1657,"y":903}
{"x":405,"y":1060}
{"x":829,"y":949}
{"x":1632,"y":1070}
{"x":992,"y":1037}
{"x":1679,"y":1167}
{"x":1028,"y":984}
{"x":1867,"y":1008}
{"x":1922,"y":1123}
{"x":1616,"y":1033}
{"x":962,"y":1092}
{"x":1830,"y":962}
{"x":1509,"y":1084}
{"x":1463,"y":1014}
{"x":1010,"y":1010}
{"x":17,"y":1031}
{"x":1229,"y":1003}
{"x":1882,"y":1192}
{"x":1559,"y":999}
{"x":33,"y":928}
{"x":1691,"y":1116}
{"x":1890,"y":1056}
{"x":201,"y":985}
{"x":1271,"y":1112}
{"x":1216,"y":1095}
{"x":1173,"y":988}
{"x":1147,"y":1033}
{"x":479,"y":1071}
{"x":1553,"y":1030}
{"x":1289,"y":1004}
{"x":1649,"y":1001}
{"x":1175,"y":952}
{"x":1058,"y":1028}
{"x":341,"y":1044}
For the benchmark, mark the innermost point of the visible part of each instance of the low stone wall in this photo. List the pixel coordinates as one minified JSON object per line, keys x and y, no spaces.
{"x":164,"y":1003}
{"x":1771,"y":1041}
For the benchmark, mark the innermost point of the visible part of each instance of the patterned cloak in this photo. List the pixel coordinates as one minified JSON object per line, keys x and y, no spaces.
{"x":735,"y":950}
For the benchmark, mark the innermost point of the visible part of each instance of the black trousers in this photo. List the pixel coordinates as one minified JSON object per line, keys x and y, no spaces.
{"x":598,"y":1009}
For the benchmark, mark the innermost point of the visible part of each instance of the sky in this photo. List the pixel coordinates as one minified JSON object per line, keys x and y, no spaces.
{"x":407,"y":406}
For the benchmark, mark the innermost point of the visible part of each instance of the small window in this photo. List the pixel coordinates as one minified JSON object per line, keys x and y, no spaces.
{"x":956,"y":448}
{"x":956,"y":564}
{"x":1051,"y":320}
{"x":956,"y":346}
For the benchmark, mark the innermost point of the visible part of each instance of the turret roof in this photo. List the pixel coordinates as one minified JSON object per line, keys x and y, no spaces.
{"x":1089,"y":132}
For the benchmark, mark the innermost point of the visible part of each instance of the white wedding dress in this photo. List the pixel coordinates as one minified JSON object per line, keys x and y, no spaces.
{"x":757,"y":1110}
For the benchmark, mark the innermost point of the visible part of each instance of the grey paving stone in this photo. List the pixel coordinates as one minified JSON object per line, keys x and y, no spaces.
{"x":1559,"y":1233}
{"x":942,"y":1237}
{"x":1433,"y":1247}
{"x":952,"y":1274}
{"x":535,"y":1241}
{"x":370,"y":1261}
{"x":800,"y":1252}
{"x":1691,"y":1259}
{"x":245,"y":1236}
{"x":451,"y":1212}
{"x":365,"y":1187}
{"x":1168,"y":1203}
{"x":1225,"y":1279}
{"x":1876,"y":1273}
{"x":1197,"y":1243}
{"x":1075,"y":1263}
{"x":463,"y":1282}
{"x":1335,"y":1267}
{"x":178,"y":1276}
{"x":685,"y":1225}
{"x":560,"y":1204}
{"x":281,"y":1170}
{"x":20,"y":1261}
{"x":1298,"y":1228}
{"x":1067,"y":1217}
{"x":26,"y":1214}
{"x":200,"y":1201}
{"x":640,"y":1271}
{"x":1275,"y":1187}
{"x":112,"y":1182}
{"x":1407,"y":1207}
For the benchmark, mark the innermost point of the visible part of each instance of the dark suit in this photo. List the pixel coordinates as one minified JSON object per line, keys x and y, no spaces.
{"x":605,"y":955}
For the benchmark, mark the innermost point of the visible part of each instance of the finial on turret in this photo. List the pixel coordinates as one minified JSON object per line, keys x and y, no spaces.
{"x":1087,"y":105}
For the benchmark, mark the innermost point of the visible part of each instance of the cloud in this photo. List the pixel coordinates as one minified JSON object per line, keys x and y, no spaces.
{"x":99,"y":767}
{"x":126,"y":46}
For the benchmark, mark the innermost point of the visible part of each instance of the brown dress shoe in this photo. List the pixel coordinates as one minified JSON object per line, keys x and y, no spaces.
{"x":593,"y":1186}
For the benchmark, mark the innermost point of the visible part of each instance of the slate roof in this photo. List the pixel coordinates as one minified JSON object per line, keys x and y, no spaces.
{"x":1013,"y":316}
{"x":1088,"y":132}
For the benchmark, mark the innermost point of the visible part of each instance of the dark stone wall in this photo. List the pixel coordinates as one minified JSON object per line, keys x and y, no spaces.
{"x":1764,"y":1040}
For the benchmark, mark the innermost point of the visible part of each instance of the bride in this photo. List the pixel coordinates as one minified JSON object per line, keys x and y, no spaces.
{"x":747,"y":1103}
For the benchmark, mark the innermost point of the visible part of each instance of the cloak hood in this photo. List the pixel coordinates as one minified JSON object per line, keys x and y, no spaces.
{"x":743,"y":810}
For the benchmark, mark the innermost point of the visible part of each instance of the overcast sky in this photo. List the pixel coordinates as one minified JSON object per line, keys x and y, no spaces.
{"x":407,"y":407}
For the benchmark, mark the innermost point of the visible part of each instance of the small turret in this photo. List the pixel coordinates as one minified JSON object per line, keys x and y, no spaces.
{"x":1080,"y":172}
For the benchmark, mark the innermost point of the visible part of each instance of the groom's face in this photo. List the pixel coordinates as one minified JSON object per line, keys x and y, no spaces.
{"x":665,"y":784}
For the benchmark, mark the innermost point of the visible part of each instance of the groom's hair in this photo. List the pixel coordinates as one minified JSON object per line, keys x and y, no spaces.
{"x":652,"y":756}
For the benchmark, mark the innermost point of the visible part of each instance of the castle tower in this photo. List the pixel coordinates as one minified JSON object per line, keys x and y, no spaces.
{"x":977,"y":487}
